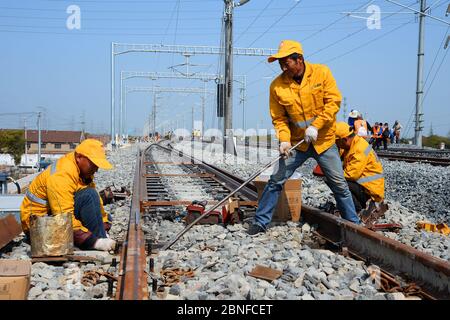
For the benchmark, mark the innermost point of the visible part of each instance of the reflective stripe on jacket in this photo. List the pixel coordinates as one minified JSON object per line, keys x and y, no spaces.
{"x":52,"y":191}
{"x":315,"y":102}
{"x":361,"y":164}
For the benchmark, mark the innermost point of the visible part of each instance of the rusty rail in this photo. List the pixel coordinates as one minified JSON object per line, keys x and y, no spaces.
{"x":132,"y":284}
{"x":431,"y":273}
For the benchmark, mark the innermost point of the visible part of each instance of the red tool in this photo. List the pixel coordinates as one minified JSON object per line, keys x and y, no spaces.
{"x":196,"y":209}
{"x":317,"y":171}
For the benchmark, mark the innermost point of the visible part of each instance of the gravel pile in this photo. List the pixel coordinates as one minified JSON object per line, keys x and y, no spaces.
{"x":222,"y":258}
{"x":63,"y":282}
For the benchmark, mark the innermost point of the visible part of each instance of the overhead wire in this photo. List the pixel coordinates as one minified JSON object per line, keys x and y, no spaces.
{"x":297,"y":2}
{"x":254,"y":20}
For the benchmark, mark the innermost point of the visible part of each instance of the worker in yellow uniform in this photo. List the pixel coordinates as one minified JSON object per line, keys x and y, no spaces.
{"x":304,"y":100}
{"x":362,"y":170}
{"x":67,"y":187}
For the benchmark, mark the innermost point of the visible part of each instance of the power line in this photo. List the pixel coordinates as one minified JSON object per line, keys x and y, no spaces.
{"x":369,"y":42}
{"x":334,"y":22}
{"x":285,"y":14}
{"x":347,"y":36}
{"x":254,"y":20}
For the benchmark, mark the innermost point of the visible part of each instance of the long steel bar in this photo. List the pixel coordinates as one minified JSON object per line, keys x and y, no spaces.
{"x":206,"y":214}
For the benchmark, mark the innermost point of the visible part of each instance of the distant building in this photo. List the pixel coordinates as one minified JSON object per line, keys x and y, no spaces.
{"x":53,"y":141}
{"x":54,"y":144}
{"x":104,"y":138}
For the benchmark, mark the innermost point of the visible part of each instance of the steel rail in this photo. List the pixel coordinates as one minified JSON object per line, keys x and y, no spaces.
{"x":132,"y":283}
{"x":409,"y":158}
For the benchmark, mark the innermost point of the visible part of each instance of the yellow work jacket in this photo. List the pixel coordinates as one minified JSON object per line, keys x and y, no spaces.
{"x":315,"y":102}
{"x":53,"y":190}
{"x":361,"y":164}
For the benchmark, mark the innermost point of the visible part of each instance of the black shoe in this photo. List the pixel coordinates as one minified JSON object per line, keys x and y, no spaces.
{"x":254,"y":229}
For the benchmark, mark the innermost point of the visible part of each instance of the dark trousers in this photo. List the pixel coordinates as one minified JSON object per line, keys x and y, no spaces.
{"x":87,"y":210}
{"x":384,"y":143}
{"x":359,"y":195}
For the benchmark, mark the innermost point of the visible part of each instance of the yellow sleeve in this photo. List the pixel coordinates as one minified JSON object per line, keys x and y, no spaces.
{"x":331,"y":99}
{"x":280,"y":119}
{"x":355,"y":165}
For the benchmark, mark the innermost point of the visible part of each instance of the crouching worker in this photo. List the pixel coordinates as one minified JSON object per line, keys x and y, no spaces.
{"x":67,"y":186}
{"x":363,"y":172}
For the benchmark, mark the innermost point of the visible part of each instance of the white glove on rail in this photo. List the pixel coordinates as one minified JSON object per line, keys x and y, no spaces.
{"x":311,"y":134}
{"x":105,"y":244}
{"x":284,"y":148}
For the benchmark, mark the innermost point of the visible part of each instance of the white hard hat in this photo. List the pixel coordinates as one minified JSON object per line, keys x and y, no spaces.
{"x":354,"y":114}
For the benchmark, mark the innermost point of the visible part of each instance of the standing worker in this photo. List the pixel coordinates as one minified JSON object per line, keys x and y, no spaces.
{"x":352,"y":116}
{"x":397,"y":127}
{"x":67,"y":187}
{"x":304,"y":100}
{"x":362,"y":170}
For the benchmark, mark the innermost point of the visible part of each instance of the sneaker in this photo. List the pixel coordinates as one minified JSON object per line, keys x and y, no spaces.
{"x":255,"y":229}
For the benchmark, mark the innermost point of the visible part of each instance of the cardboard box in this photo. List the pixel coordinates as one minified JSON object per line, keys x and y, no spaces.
{"x":14,"y":279}
{"x":290,"y":201}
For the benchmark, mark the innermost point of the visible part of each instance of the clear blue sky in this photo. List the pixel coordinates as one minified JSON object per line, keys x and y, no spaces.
{"x":68,"y":71}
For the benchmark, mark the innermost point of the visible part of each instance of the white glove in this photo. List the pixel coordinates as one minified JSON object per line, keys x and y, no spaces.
{"x":311,"y":134}
{"x":105,"y":244}
{"x":284,"y":148}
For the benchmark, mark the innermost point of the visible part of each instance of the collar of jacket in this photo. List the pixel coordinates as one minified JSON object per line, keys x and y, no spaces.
{"x":307,"y":75}
{"x":71,"y":156}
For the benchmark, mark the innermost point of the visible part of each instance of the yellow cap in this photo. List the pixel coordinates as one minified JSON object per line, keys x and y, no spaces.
{"x":93,"y":150}
{"x":287,"y":47}
{"x":343,"y":130}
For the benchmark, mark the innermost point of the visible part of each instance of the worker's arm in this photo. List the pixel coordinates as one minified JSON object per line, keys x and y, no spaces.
{"x":354,"y":165}
{"x":280,"y":118}
{"x":331,"y":100}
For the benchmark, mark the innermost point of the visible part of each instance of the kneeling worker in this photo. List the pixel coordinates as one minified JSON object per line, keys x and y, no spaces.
{"x":362,"y":170}
{"x":67,"y":186}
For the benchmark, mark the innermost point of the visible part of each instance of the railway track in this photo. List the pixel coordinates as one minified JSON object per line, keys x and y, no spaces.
{"x":433,"y":157}
{"x":435,"y":161}
{"x":160,"y":172}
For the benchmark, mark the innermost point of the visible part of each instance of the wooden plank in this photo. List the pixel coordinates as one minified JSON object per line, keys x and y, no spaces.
{"x":9,"y":229}
{"x":199,"y":175}
{"x":188,"y":202}
{"x":265,"y":273}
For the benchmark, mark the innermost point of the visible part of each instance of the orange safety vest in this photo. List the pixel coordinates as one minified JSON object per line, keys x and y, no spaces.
{"x":361,"y":128}
{"x":375,"y":130}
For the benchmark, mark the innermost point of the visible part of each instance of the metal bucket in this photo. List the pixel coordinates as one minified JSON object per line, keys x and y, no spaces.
{"x":51,"y":235}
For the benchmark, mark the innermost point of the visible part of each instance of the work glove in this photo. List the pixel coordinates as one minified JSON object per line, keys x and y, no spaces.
{"x":105,"y":244}
{"x":311,"y":134}
{"x":284,"y":149}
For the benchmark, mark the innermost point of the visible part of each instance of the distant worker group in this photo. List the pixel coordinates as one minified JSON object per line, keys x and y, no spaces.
{"x":376,"y":134}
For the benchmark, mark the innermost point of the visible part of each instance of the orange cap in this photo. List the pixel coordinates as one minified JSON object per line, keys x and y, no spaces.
{"x":343,"y":130}
{"x":93,"y":150}
{"x":286,"y":47}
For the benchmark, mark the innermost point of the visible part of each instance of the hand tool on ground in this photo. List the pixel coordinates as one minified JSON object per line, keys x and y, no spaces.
{"x":253,"y":176}
{"x":393,"y":227}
